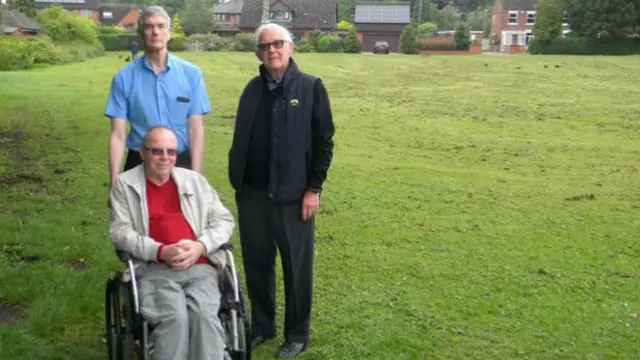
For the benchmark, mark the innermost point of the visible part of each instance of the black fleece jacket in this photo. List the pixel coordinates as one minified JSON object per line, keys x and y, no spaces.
{"x":300,"y":131}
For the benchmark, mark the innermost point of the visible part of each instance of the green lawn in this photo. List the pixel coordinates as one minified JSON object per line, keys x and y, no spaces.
{"x":477,"y":208}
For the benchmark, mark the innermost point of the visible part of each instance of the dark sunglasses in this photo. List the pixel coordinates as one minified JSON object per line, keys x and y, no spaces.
{"x":277,"y":44}
{"x":160,"y":151}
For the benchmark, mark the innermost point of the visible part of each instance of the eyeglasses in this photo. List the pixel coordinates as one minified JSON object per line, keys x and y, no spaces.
{"x":160,"y":151}
{"x":277,"y":44}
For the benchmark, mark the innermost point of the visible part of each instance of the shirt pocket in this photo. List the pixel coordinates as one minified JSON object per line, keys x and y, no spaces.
{"x":180,"y":110}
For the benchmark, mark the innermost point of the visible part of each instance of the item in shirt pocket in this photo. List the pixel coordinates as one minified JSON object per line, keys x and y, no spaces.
{"x":182,"y":99}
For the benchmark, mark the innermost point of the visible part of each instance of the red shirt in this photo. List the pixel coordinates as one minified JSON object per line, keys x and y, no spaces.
{"x":167,"y":224}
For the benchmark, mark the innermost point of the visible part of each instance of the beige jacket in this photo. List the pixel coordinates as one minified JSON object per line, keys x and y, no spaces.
{"x":129,"y":228}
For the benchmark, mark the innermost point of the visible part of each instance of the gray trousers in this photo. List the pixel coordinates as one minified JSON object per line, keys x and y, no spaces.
{"x":182,"y":306}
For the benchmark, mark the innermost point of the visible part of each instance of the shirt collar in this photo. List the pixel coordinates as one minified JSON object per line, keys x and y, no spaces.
{"x":170,"y":62}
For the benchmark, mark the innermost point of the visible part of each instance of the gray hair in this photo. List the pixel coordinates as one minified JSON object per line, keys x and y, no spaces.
{"x":150,"y":11}
{"x":286,"y":35}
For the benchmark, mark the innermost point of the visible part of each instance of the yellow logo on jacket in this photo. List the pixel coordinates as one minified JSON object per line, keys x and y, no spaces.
{"x":294,"y":102}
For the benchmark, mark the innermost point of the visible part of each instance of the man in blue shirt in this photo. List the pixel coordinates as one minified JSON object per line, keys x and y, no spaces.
{"x":157,"y":89}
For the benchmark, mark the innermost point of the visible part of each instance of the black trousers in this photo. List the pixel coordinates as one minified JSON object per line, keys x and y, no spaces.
{"x":264,"y":226}
{"x":133,"y":159}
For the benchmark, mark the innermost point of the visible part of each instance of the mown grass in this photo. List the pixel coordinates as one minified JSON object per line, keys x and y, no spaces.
{"x":477,"y":207}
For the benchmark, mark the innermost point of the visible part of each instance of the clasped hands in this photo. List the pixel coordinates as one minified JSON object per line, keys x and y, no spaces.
{"x":183,"y":254}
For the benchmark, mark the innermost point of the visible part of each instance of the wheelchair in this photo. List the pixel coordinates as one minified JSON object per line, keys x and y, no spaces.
{"x":128,"y":333}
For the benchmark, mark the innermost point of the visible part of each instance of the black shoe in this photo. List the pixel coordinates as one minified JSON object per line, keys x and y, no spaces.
{"x":291,"y":349}
{"x":259,"y":340}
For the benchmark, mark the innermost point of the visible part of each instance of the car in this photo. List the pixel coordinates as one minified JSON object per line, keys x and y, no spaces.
{"x":381,"y":47}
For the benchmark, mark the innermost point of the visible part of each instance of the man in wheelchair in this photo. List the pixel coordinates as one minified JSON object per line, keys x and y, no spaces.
{"x":172,"y":222}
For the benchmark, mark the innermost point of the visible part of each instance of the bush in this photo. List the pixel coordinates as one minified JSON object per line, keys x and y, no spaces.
{"x":408,"y":42}
{"x":351,"y":43}
{"x":18,"y":53}
{"x":462,"y":36}
{"x":583,"y":46}
{"x":177,"y":43}
{"x":212,"y":42}
{"x":427,"y":28}
{"x":63,"y":26}
{"x":117,"y":42}
{"x":109,"y":30}
{"x":439,"y":47}
{"x":329,"y":44}
{"x":304,"y":46}
{"x":245,"y":42}
{"x":344,"y":25}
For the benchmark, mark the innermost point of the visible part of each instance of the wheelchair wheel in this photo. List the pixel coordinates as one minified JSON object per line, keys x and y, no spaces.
{"x":123,"y":342}
{"x":243,"y":350}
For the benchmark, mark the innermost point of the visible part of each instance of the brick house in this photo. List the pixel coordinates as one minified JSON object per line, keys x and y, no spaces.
{"x":120,"y":15}
{"x":378,"y":21}
{"x":227,"y":16}
{"x":299,"y":16}
{"x":86,"y":8}
{"x":512,"y":24}
{"x":16,"y":23}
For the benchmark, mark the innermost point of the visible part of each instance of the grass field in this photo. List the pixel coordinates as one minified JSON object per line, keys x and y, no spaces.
{"x":477,"y":207}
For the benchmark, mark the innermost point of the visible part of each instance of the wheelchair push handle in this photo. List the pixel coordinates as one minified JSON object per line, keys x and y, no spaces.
{"x":123,"y":255}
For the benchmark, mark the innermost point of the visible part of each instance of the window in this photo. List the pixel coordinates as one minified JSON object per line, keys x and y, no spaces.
{"x":513,"y":17}
{"x":222,"y":17}
{"x":107,"y":15}
{"x":531,"y":17}
{"x":86,"y":13}
{"x":514,"y":39}
{"x":280,"y":15}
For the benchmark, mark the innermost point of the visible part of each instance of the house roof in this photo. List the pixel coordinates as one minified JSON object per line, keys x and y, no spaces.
{"x":307,"y":14}
{"x":519,"y":4}
{"x":69,"y":4}
{"x":16,"y":19}
{"x":383,"y":13}
{"x":229,"y":7}
{"x":118,"y":11}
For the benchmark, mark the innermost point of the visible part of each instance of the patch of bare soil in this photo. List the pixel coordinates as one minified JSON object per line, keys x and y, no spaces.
{"x":9,"y":314}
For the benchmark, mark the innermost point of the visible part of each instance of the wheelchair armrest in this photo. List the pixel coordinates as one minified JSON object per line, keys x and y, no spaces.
{"x":226,"y":247}
{"x":123,"y":255}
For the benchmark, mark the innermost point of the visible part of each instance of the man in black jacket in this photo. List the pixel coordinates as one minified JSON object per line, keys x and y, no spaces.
{"x":281,"y":151}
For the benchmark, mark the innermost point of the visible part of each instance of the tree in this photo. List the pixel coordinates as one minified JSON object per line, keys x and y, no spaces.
{"x":425,"y":14}
{"x":176,"y":28}
{"x":344,"y":25}
{"x":427,"y":28}
{"x":27,"y":7}
{"x":351,"y":43}
{"x":598,"y":18}
{"x":447,"y":17}
{"x":266,"y":5}
{"x":197,"y":17}
{"x":408,"y":41}
{"x":462,"y":36}
{"x":346,"y":10}
{"x":549,"y":19}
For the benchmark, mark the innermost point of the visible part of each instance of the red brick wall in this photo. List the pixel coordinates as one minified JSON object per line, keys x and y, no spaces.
{"x":233,"y":19}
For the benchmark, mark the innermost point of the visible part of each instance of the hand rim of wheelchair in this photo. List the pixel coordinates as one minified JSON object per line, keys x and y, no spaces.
{"x":128,"y":333}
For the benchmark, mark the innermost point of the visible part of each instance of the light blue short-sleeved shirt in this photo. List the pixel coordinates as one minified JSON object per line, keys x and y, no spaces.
{"x":146,"y":99}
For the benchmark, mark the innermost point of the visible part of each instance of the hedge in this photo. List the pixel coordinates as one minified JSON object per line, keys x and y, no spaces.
{"x":117,"y":42}
{"x":17,"y":53}
{"x":583,"y":46}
